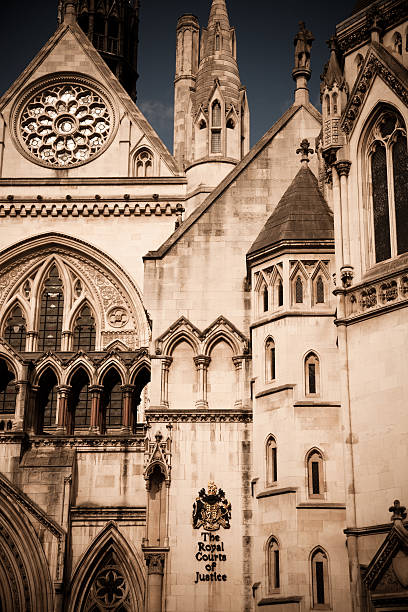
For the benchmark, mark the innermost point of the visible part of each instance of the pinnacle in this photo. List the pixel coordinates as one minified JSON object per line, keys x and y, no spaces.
{"x":218,"y":13}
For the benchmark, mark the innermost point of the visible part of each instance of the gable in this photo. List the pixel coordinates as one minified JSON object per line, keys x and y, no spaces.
{"x":71,"y":51}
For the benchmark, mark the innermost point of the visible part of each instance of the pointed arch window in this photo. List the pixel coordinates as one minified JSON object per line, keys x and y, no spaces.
{"x":51,"y":313}
{"x":320,"y":579}
{"x":327,"y":100}
{"x":319,"y":290}
{"x":299,"y":290}
{"x":312,"y":374}
{"x":217,"y":42}
{"x":315,"y":474}
{"x":388,"y":168}
{"x":334,"y":103}
{"x":84,"y":331}
{"x":397,"y":43}
{"x":216,"y":114}
{"x":273,"y":565}
{"x":15,"y":331}
{"x":8,"y":391}
{"x":270,"y":360}
{"x":265,"y":298}
{"x":144,"y":164}
{"x":112,"y":400}
{"x":280,"y":292}
{"x":47,"y":400}
{"x":271,"y":461}
{"x":79,"y":412}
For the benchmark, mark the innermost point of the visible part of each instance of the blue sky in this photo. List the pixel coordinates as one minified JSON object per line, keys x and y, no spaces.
{"x":265,"y":31}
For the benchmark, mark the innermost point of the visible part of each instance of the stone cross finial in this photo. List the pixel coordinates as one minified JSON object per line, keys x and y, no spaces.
{"x":398,"y":511}
{"x":305,"y":150}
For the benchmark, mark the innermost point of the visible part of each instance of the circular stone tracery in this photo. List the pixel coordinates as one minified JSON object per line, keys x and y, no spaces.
{"x":63,"y":124}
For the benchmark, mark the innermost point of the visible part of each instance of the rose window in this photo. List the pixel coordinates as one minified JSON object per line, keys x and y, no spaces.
{"x":65,"y":124}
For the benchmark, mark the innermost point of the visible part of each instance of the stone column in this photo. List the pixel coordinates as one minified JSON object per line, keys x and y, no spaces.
{"x":127,"y":397}
{"x":338,"y":230}
{"x":62,"y":414}
{"x":96,"y":392}
{"x":32,"y":416}
{"x":31,"y":341}
{"x":239,"y":372}
{"x":164,"y":393}
{"x":346,"y":271}
{"x":155,"y":571}
{"x":21,"y":399}
{"x":66,"y":340}
{"x":202,"y":362}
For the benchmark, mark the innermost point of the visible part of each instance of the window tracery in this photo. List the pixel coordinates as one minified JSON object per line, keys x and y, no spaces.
{"x":15,"y":331}
{"x":51,"y":312}
{"x":64,"y":123}
{"x":388,"y":165}
{"x":144,"y":164}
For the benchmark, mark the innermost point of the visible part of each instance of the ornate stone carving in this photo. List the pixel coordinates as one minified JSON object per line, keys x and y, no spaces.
{"x":303,"y":46}
{"x":198,"y":416}
{"x":211,"y":510}
{"x":118,"y":317}
{"x":157,"y":453}
{"x":305,"y":150}
{"x":343,"y":167}
{"x":377,"y":295}
{"x":155,"y":563}
{"x":64,"y":121}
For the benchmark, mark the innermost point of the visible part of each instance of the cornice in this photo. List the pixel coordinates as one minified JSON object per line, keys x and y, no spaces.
{"x":137,"y":515}
{"x":100,"y":181}
{"x":86,"y":207}
{"x":158,"y":415}
{"x":92,"y":443}
{"x":292,"y":313}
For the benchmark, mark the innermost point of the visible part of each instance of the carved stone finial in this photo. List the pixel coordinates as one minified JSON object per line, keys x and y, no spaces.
{"x":399,"y":512}
{"x":305,"y":150}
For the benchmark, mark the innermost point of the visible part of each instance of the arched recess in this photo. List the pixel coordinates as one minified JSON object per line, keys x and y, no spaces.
{"x":182,"y":376}
{"x":109,"y":552}
{"x":140,"y":378}
{"x":221,"y":377}
{"x":112,"y":405}
{"x":116,"y":301}
{"x":46,"y":401}
{"x":80,"y":402}
{"x":8,"y":390}
{"x":23,"y":563}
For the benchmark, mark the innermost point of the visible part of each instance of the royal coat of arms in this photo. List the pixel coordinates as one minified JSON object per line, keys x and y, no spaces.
{"x":211,"y":510}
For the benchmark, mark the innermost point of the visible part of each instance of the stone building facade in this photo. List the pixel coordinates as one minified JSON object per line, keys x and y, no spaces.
{"x":203,"y":355}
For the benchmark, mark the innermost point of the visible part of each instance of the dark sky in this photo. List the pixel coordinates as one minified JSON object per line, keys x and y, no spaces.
{"x":265,"y":31}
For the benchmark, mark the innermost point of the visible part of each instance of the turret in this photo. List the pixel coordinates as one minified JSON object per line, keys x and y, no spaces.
{"x":216,"y":115}
{"x":333,"y":91}
{"x":112,"y":26}
{"x":187,"y":52}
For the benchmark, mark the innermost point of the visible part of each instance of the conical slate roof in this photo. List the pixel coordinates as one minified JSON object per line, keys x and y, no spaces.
{"x":302,"y":215}
{"x":333,"y":72}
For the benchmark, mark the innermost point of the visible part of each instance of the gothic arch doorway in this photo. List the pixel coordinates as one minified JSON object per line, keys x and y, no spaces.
{"x":109,"y":576}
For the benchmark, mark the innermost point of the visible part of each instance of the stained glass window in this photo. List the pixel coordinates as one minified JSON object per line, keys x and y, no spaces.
{"x":84,"y":331}
{"x":15,"y":332}
{"x":51,"y":312}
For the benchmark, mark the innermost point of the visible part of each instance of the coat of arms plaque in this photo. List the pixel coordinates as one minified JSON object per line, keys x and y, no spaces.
{"x":211,"y":510}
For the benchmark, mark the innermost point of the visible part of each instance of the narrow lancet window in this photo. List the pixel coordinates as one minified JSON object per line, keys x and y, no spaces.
{"x":84,"y":332}
{"x":270,"y":360}
{"x":8,"y":390}
{"x":51,"y":313}
{"x":271,"y":461}
{"x":15,"y":332}
{"x":315,"y":474}
{"x":299,"y":291}
{"x":319,"y":291}
{"x":380,"y":203}
{"x":273,"y":565}
{"x":320,"y":579}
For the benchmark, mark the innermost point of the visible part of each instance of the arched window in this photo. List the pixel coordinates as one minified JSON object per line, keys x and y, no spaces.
{"x":334,"y":103}
{"x":216,"y":123}
{"x":320,"y":579}
{"x":216,"y":114}
{"x":111,"y":400}
{"x":273,"y":565}
{"x":8,"y":391}
{"x":15,"y":331}
{"x":51,"y":312}
{"x":84,"y":331}
{"x":79,"y":408}
{"x":217,"y":42}
{"x":315,"y":474}
{"x":270,"y":364}
{"x":359,"y":60}
{"x":388,"y":165}
{"x":299,"y":291}
{"x":265,"y":299}
{"x":144,"y":164}
{"x":280,"y":293}
{"x":312,"y":374}
{"x":327,"y":100}
{"x":319,"y":291}
{"x":397,"y":43}
{"x":271,"y":461}
{"x":47,"y":400}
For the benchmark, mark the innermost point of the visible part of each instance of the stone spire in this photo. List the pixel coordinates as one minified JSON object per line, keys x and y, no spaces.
{"x":333,"y":95}
{"x":333,"y":73}
{"x":218,"y":59}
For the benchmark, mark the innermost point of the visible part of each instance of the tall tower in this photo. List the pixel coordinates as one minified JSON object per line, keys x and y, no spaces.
{"x":215,"y":132}
{"x":112,"y":26}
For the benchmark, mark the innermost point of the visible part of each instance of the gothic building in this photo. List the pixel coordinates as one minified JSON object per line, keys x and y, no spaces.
{"x":203,"y":362}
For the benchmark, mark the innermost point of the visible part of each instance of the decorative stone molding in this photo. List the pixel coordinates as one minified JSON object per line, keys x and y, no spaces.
{"x":198,"y":416}
{"x":373,"y":66}
{"x":155,"y":562}
{"x":359,"y":32}
{"x":343,"y":167}
{"x":377,"y":295}
{"x":63,"y":120}
{"x":157,"y":453}
{"x":86,"y":514}
{"x":88,"y":443}
{"x":90,"y":208}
